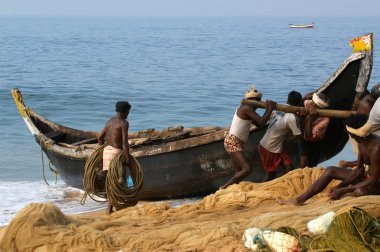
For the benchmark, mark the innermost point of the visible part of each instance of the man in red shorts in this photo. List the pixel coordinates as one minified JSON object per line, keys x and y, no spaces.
{"x":270,"y":148}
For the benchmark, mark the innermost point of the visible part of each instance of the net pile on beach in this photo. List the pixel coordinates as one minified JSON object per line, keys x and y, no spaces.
{"x":215,"y":223}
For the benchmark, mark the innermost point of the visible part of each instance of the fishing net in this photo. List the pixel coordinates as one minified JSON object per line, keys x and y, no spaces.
{"x":213,"y":223}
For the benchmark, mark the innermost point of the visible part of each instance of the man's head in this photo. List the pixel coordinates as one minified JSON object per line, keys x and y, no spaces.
{"x":294,"y":98}
{"x":375,"y":91}
{"x":358,"y":126}
{"x":320,"y":100}
{"x":365,"y":104}
{"x":253,"y":94}
{"x":123,"y":107}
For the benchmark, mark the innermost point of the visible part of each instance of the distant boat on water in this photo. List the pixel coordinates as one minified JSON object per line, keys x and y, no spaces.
{"x":301,"y":25}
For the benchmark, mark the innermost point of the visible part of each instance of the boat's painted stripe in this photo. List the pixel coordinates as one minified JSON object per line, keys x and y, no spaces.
{"x":32,"y":128}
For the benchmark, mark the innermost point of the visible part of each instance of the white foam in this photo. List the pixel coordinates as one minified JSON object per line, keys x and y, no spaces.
{"x":17,"y":195}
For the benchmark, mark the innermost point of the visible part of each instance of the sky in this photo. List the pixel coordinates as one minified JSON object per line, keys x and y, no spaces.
{"x":259,"y":8}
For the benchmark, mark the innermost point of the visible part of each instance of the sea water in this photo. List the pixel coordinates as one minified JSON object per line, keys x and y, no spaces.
{"x":174,"y":71}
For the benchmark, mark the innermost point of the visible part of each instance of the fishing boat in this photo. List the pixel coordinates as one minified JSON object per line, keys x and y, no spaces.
{"x":301,"y":25}
{"x":181,"y":162}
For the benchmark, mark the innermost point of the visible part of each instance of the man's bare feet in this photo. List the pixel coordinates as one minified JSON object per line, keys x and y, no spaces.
{"x":289,"y":202}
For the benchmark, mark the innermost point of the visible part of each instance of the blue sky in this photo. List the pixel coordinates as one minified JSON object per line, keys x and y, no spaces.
{"x":284,"y":8}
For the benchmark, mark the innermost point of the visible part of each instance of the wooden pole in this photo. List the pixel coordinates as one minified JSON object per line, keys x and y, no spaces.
{"x":298,"y":110}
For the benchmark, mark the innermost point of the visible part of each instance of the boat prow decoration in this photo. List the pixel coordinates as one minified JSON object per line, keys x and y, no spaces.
{"x":363,"y":55}
{"x":362,"y":43}
{"x":24,"y":111}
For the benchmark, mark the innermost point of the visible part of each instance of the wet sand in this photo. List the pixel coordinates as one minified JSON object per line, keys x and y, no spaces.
{"x":215,"y":223}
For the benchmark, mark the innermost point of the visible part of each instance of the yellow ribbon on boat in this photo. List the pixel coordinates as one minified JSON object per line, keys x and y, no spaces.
{"x":362,"y":43}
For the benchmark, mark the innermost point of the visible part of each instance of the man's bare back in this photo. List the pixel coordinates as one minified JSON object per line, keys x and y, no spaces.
{"x":114,"y":131}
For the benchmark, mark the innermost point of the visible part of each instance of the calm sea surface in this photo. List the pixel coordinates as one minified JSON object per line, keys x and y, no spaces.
{"x":174,"y":71}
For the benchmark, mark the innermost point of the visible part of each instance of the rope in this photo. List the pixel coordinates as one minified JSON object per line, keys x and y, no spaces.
{"x":114,"y":186}
{"x":92,"y":185}
{"x":119,"y":195}
{"x":56,"y":172}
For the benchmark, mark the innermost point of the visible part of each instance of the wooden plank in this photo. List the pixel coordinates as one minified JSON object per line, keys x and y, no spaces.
{"x":302,"y":110}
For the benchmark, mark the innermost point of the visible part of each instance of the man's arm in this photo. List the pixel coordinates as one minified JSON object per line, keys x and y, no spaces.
{"x":342,"y":188}
{"x":124,"y":133}
{"x":261,"y":121}
{"x":373,"y":172}
{"x":308,"y":127}
{"x":357,"y":172}
{"x":370,"y":181}
{"x":101,"y":136}
{"x":346,"y":164}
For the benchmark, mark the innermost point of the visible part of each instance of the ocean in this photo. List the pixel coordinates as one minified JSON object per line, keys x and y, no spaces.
{"x":190,"y":71}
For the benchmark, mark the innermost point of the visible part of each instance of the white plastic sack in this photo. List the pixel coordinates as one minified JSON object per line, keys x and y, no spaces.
{"x":320,"y":224}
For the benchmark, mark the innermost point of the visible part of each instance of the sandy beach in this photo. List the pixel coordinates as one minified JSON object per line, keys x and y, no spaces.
{"x":215,"y":223}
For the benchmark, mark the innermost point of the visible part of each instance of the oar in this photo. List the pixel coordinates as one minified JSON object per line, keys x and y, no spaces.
{"x":295,"y":109}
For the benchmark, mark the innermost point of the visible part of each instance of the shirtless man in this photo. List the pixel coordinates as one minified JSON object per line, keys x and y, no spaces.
{"x":362,"y":182}
{"x":245,"y":115}
{"x":363,"y":107}
{"x":115,"y":135}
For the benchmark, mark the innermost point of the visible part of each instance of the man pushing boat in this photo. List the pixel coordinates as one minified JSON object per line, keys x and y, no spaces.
{"x":115,"y":135}
{"x":245,"y":115}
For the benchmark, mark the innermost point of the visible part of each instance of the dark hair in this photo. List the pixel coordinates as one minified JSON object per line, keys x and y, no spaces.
{"x":294,"y":98}
{"x":123,"y":106}
{"x":356,"y":121}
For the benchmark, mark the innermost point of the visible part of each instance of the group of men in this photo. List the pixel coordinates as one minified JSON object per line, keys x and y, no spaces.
{"x":360,"y":177}
{"x":308,"y":128}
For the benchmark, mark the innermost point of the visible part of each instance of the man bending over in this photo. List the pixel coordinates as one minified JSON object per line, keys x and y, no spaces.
{"x":244,"y":116}
{"x":271,"y":149}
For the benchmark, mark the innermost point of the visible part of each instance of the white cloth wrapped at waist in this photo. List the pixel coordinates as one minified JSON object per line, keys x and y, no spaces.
{"x":109,"y":153}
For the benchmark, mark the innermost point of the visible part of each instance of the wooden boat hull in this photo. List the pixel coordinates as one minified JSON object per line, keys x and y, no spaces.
{"x":193,"y":162}
{"x":195,"y":171}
